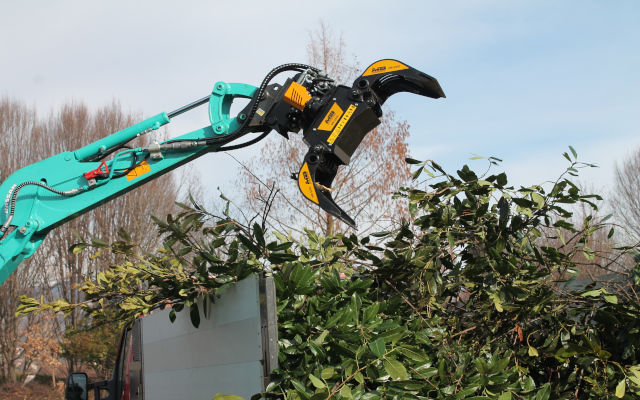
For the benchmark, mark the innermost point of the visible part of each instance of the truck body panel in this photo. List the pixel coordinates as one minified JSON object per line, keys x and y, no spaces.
{"x":224,"y":354}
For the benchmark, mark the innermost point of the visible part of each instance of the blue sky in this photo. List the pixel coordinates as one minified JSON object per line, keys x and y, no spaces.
{"x":523,"y":79}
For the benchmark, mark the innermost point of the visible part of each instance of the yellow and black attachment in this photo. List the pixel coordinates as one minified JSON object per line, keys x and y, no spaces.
{"x":334,"y":118}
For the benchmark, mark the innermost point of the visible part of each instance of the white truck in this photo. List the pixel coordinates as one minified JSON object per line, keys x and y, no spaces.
{"x":231,"y":352}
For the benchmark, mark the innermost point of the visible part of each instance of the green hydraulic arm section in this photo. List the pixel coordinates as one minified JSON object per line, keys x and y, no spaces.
{"x":46,"y":194}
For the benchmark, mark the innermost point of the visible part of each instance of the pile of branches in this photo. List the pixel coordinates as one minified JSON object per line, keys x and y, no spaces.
{"x":481,"y":294}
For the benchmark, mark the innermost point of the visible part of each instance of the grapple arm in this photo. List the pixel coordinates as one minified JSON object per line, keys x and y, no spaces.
{"x":336,"y":121}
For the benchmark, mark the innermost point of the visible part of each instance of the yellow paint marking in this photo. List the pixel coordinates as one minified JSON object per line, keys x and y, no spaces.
{"x":305,"y":183}
{"x":384,"y":66}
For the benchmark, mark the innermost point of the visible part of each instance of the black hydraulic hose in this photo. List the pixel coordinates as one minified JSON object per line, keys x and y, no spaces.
{"x":263,"y":86}
{"x":224,"y":139}
{"x":102,"y":156}
{"x":245,"y":144}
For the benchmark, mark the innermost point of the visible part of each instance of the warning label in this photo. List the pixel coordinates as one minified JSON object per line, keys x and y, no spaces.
{"x":139,"y":170}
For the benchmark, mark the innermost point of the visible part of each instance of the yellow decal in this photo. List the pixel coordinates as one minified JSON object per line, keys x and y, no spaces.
{"x":384,"y":66}
{"x":138,"y":171}
{"x":341,"y":124}
{"x":332,"y":117}
{"x":305,"y":183}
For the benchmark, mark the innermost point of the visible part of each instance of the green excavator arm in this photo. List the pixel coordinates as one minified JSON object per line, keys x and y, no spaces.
{"x":334,"y":120}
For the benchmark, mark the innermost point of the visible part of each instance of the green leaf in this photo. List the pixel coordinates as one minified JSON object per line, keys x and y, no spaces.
{"x":99,"y":243}
{"x":345,"y":392}
{"x":77,"y":235}
{"x":124,"y":234}
{"x":327,"y":373}
{"x":395,"y":369}
{"x":505,"y":396}
{"x":414,"y":355}
{"x":620,"y":389}
{"x":412,"y":161}
{"x":543,"y":393}
{"x":378,"y":347}
{"x":221,"y":396}
{"x":77,"y":248}
{"x":249,"y":245}
{"x":417,"y":173}
{"x":380,"y":234}
{"x":635,"y":374}
{"x":592,"y":293}
{"x":96,"y":254}
{"x":194,"y":313}
{"x":317,"y":382}
{"x":496,"y":302}
{"x":320,"y":339}
{"x":370,"y":313}
{"x":529,"y":384}
{"x":301,"y":389}
{"x":611,"y":298}
{"x":501,"y":179}
{"x":575,"y":155}
{"x":533,"y":352}
{"x":259,"y":234}
{"x":538,"y":199}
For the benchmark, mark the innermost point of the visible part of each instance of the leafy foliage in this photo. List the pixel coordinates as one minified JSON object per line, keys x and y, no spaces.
{"x":467,"y":300}
{"x":93,"y":345}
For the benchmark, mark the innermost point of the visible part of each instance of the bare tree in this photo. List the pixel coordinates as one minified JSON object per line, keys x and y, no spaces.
{"x":41,"y":347}
{"x":363,"y":189}
{"x":591,"y":244}
{"x":53,"y":270}
{"x":18,"y":124}
{"x":626,"y":193}
{"x":72,"y":127}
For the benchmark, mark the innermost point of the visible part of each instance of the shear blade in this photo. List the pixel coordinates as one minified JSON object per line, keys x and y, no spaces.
{"x":314,"y":181}
{"x":401,"y":79}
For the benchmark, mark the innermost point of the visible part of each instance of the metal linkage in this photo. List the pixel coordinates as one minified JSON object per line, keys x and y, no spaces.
{"x":188,"y":107}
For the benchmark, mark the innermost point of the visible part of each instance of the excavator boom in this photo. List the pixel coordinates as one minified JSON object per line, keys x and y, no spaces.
{"x":334,"y":120}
